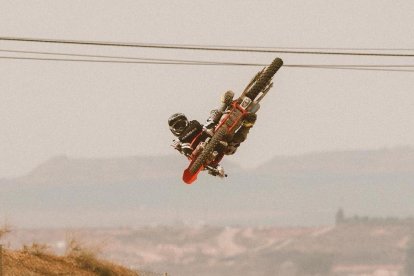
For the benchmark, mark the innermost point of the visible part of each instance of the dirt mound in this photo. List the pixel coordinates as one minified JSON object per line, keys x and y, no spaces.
{"x":34,"y":261}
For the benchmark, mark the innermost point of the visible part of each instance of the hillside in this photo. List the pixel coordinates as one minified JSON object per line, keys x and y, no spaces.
{"x":63,"y":170}
{"x":35,"y":261}
{"x":398,"y":160}
{"x":66,"y":170}
{"x":350,"y":248}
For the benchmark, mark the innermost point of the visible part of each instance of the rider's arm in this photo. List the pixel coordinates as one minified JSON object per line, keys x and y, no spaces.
{"x":183,"y":148}
{"x":177,"y":144}
{"x":186,"y":149}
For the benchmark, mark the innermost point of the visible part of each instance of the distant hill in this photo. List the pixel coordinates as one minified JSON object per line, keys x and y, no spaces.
{"x":64,"y":170}
{"x":399,"y":160}
{"x":298,"y":190}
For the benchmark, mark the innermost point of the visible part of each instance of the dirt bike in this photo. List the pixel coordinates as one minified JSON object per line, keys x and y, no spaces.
{"x":209,"y":153}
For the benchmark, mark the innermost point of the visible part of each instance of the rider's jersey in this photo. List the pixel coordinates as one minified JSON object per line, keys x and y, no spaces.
{"x":190,"y":137}
{"x":190,"y":132}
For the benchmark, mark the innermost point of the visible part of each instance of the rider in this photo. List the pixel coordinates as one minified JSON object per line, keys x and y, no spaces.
{"x":188,"y":131}
{"x":185,"y":132}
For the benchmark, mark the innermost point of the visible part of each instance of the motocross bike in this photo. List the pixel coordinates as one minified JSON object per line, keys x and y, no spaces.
{"x":209,"y":153}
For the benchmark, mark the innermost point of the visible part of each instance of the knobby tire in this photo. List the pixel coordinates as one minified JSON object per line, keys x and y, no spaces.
{"x":264,"y":78}
{"x":209,"y":148}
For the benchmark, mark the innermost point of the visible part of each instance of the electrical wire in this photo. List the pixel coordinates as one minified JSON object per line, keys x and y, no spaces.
{"x":197,"y":61}
{"x":198,"y":47}
{"x":124,"y":57}
{"x":200,"y":63}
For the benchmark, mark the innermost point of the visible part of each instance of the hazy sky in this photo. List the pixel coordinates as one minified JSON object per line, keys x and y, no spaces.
{"x":103,"y":110}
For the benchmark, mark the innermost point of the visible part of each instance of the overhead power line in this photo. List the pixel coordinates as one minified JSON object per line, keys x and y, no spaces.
{"x":321,"y":48}
{"x":126,"y":57}
{"x":200,"y":47}
{"x":337,"y":67}
{"x":48,"y":53}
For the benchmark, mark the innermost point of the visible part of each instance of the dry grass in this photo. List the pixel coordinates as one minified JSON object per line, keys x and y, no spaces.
{"x":86,"y":257}
{"x":37,"y":249}
{"x":37,"y":259}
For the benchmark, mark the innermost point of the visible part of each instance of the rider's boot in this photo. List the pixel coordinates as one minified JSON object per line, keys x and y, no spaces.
{"x":215,"y":114}
{"x":226,"y":100}
{"x":231,"y":148}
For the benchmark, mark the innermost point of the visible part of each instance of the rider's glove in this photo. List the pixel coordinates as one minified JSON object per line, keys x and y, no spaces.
{"x":176,"y":144}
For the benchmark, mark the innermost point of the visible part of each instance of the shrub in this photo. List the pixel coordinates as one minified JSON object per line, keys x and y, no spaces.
{"x":36,"y":249}
{"x":86,"y":258}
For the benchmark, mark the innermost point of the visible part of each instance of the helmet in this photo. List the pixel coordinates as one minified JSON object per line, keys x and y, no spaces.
{"x":177,"y":123}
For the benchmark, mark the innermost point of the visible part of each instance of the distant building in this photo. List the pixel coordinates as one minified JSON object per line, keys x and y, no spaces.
{"x":340,"y":217}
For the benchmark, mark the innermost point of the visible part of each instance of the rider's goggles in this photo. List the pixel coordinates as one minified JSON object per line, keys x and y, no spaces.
{"x":179,"y":126}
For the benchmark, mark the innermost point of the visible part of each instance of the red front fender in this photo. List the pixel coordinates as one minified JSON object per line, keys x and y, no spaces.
{"x":188,"y":177}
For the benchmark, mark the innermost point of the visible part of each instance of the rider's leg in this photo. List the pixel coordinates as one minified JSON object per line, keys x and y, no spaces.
{"x":241,"y":134}
{"x":215,"y":114}
{"x":225,"y":100}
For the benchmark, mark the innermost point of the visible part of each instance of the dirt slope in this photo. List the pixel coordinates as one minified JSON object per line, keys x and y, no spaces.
{"x":33,"y":263}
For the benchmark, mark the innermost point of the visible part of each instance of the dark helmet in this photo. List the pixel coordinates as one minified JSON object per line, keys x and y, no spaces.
{"x":177,"y":122}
